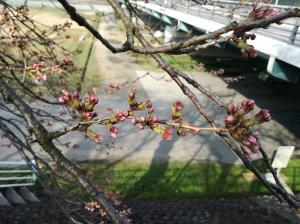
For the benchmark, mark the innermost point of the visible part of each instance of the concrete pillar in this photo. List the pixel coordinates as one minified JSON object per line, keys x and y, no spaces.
{"x":172,"y":33}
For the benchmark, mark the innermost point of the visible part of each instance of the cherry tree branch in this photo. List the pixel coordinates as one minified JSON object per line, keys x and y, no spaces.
{"x":238,"y":27}
{"x":42,"y":137}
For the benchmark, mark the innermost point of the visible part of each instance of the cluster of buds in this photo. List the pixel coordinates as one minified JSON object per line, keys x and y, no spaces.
{"x":92,"y":135}
{"x":39,"y":71}
{"x":152,"y":120}
{"x":62,"y":27}
{"x":85,"y":106}
{"x":133,"y":103}
{"x":238,"y":122}
{"x":142,"y":121}
{"x":262,"y":12}
{"x":246,"y":49}
{"x":20,"y":42}
{"x":176,"y":113}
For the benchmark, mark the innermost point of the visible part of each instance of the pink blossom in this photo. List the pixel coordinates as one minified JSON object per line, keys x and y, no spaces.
{"x":113,"y":132}
{"x":153,"y":119}
{"x":142,"y":119}
{"x":134,"y":121}
{"x":167,"y":135}
{"x":41,"y":64}
{"x":262,"y":12}
{"x":229,"y":119}
{"x":61,"y":100}
{"x":120,"y":117}
{"x":89,"y":115}
{"x":132,"y":94}
{"x":178,"y":106}
{"x":98,"y":138}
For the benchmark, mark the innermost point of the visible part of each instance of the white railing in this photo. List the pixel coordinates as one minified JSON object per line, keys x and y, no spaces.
{"x":17,"y":174}
{"x":222,"y":11}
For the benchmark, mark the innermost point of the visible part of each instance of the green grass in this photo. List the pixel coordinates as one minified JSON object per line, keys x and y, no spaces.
{"x":180,"y":62}
{"x":72,"y":44}
{"x":179,"y":180}
{"x":175,"y":180}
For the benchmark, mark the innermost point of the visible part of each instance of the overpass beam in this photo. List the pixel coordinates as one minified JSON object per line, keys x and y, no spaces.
{"x":283,"y":70}
{"x":172,"y":33}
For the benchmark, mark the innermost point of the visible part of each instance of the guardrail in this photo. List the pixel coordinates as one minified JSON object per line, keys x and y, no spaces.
{"x":17,"y":174}
{"x":226,"y":11}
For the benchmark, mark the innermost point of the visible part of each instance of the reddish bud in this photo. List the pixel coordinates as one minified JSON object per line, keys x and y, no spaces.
{"x":229,"y":119}
{"x":61,"y":100}
{"x":178,"y":106}
{"x":134,"y":121}
{"x":246,"y":106}
{"x":113,"y":132}
{"x":263,"y":116}
{"x":232,"y":108}
{"x":98,"y":138}
{"x":167,"y":135}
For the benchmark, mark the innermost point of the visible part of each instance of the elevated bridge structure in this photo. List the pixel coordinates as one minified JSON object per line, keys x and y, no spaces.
{"x":279,"y":44}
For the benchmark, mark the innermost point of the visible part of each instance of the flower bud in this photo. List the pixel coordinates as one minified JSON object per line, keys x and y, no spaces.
{"x":178,"y":106}
{"x":263,"y":116}
{"x":246,"y":106}
{"x":134,"y":121}
{"x":232,"y":108}
{"x":229,"y":119}
{"x":61,"y":100}
{"x":113,"y":132}
{"x":248,"y":122}
{"x":167,"y":135}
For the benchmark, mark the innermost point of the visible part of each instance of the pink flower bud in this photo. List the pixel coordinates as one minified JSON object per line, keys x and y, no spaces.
{"x":113,"y":132}
{"x":89,"y":115}
{"x":61,"y":100}
{"x":245,"y":142}
{"x":232,"y":108}
{"x":142,"y":119}
{"x":154,"y":119}
{"x":125,"y":113}
{"x":98,"y":138}
{"x":178,"y":106}
{"x":167,"y":135}
{"x":134,"y":121}
{"x":246,"y":106}
{"x":132,"y":94}
{"x":150,"y":110}
{"x":252,"y":139}
{"x":42,"y":64}
{"x":229,"y":119}
{"x":148,"y":104}
{"x":254,"y":148}
{"x":263,"y":116}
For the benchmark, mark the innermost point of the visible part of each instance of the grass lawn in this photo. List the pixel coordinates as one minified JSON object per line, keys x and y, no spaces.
{"x":175,"y":180}
{"x":179,"y":180}
{"x":80,"y":40}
